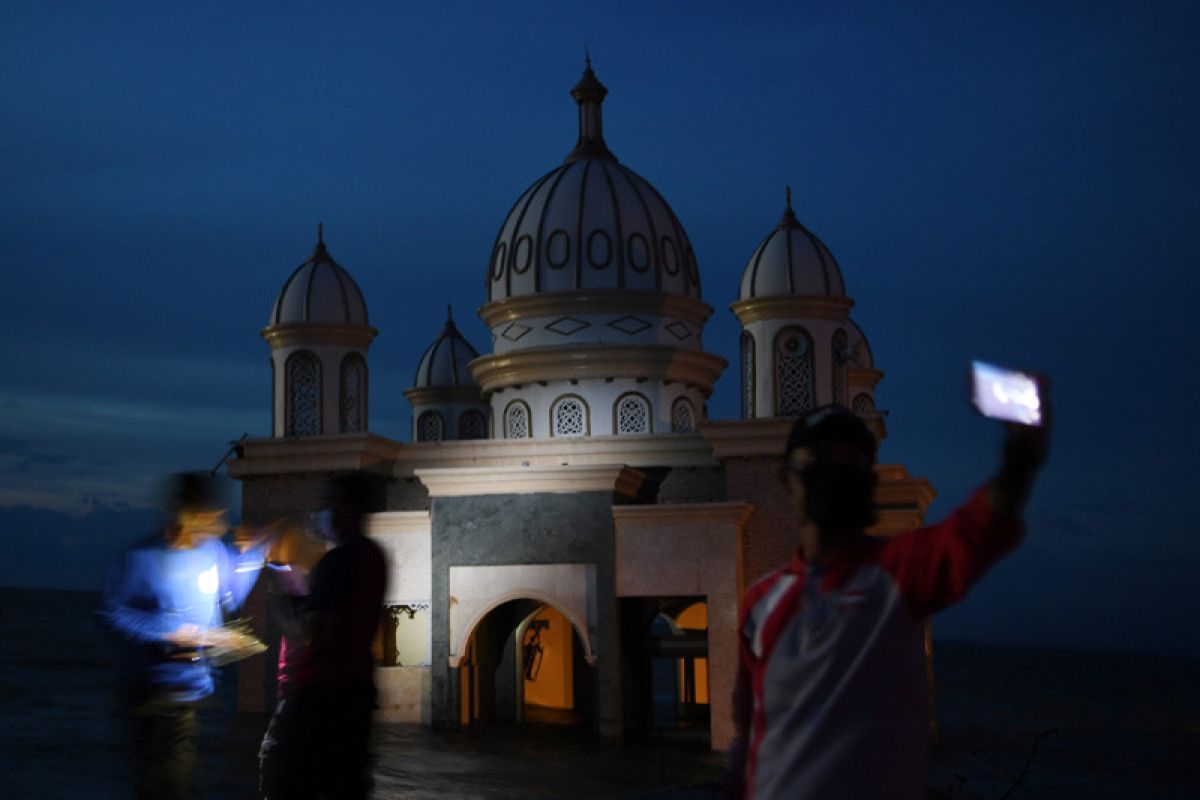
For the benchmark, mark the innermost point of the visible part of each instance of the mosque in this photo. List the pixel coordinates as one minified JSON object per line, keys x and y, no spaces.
{"x":569,"y":533}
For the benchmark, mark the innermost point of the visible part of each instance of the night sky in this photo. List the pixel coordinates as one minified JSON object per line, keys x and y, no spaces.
{"x":1017,"y":182}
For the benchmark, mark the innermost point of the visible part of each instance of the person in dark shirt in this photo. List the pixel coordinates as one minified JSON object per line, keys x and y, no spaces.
{"x":317,"y":743}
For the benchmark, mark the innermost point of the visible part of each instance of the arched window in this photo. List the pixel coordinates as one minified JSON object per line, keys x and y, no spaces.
{"x":747,"y":375}
{"x":863,"y":404}
{"x":683,"y":416}
{"x":354,"y":394}
{"x":472,"y":425}
{"x":430,"y":427}
{"x":303,"y":408}
{"x":568,"y":417}
{"x":840,"y":355}
{"x":516,"y":420}
{"x":631,"y":414}
{"x":793,"y":373}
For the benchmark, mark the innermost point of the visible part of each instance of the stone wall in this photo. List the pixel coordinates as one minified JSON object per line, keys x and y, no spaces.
{"x":508,"y":529}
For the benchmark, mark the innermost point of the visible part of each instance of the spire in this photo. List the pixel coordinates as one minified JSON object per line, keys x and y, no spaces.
{"x":589,"y":93}
{"x":789,"y":216}
{"x":449,"y":327}
{"x":319,"y":252}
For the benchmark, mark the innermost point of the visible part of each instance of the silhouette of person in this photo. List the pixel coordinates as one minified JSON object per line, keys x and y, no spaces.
{"x":318,"y":741}
{"x":831,"y":697}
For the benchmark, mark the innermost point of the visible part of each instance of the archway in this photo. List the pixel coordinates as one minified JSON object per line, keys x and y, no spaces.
{"x":524,"y":662}
{"x":665,"y":643}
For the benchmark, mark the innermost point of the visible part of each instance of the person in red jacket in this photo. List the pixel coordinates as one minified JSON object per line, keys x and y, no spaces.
{"x":830,"y":699}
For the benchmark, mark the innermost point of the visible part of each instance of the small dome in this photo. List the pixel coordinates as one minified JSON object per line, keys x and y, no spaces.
{"x":591,"y":223}
{"x":445,"y":361}
{"x":791,"y":261}
{"x":319,"y":292}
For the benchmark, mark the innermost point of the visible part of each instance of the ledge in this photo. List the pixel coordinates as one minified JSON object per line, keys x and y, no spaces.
{"x":814,"y":307}
{"x":466,"y":481}
{"x":659,"y":362}
{"x":323,"y":453}
{"x":298,"y":333}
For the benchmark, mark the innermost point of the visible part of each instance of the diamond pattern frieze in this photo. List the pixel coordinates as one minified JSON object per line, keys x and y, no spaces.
{"x":679,"y":330}
{"x":515,"y":331}
{"x":565,"y":326}
{"x":629,"y":325}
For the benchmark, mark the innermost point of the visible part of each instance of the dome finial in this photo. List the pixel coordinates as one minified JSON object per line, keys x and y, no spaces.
{"x":449,"y":313}
{"x":789,"y":216}
{"x":319,"y":251}
{"x":589,"y":93}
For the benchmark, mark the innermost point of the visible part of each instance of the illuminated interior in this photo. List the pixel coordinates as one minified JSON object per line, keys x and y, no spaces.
{"x":693,"y":671}
{"x":548,"y":648}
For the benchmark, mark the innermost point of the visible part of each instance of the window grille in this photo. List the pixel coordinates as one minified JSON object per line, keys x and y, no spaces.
{"x":303,"y":395}
{"x":793,"y":373}
{"x":354,"y":395}
{"x":516,"y":421}
{"x":472,"y":425}
{"x":683,"y":416}
{"x":570,"y":417}
{"x":839,"y":368}
{"x":633,"y":414}
{"x":429,"y":427}
{"x":747,"y":376}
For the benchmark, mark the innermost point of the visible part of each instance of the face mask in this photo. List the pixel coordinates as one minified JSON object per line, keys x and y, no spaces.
{"x":839,"y":496}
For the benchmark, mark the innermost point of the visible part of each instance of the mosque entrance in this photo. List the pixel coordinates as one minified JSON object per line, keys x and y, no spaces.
{"x":524,"y":663}
{"x":665,"y":645}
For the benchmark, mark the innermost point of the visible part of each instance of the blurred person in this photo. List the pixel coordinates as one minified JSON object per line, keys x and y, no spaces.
{"x":318,"y":741}
{"x":831,"y":698}
{"x":166,"y":598}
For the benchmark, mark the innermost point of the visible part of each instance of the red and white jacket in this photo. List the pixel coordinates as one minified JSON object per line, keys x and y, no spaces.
{"x":831,"y":695}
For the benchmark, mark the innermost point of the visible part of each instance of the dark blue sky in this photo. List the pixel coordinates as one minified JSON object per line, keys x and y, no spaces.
{"x":1012,"y":181}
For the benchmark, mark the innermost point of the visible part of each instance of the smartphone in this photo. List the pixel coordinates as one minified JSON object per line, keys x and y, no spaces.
{"x":1005,"y":394}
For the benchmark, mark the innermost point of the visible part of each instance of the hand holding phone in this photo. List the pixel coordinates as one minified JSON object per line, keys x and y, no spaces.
{"x":1006,"y":394}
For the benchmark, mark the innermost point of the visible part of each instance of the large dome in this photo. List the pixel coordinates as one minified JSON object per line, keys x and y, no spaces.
{"x":590,"y":224}
{"x":791,"y":261}
{"x":319,"y":292}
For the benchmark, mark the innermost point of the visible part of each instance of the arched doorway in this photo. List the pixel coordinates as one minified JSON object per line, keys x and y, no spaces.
{"x":665,"y":641}
{"x":524,"y":663}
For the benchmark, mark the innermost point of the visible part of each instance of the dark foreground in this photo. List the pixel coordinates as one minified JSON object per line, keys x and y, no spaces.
{"x":1016,"y":722}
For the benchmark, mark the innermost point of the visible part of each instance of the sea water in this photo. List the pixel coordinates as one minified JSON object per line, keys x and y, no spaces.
{"x":1015,"y":722}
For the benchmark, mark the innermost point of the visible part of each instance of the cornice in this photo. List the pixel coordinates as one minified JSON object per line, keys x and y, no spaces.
{"x":743,"y":438}
{"x":868,"y":378}
{"x":595,"y":301}
{"x":656,"y":450}
{"x":434,"y":395}
{"x":326,"y":453}
{"x":658,"y":362}
{"x":757,"y":309}
{"x":301,"y":333}
{"x":685,"y":514}
{"x":384,"y":523}
{"x":464,"y":481}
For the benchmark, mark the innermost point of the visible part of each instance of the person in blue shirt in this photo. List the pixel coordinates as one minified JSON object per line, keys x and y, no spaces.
{"x":166,"y":599}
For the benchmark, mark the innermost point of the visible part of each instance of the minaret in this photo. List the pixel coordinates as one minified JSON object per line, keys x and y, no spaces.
{"x":799,"y":347}
{"x":319,"y":334}
{"x":446,"y":401}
